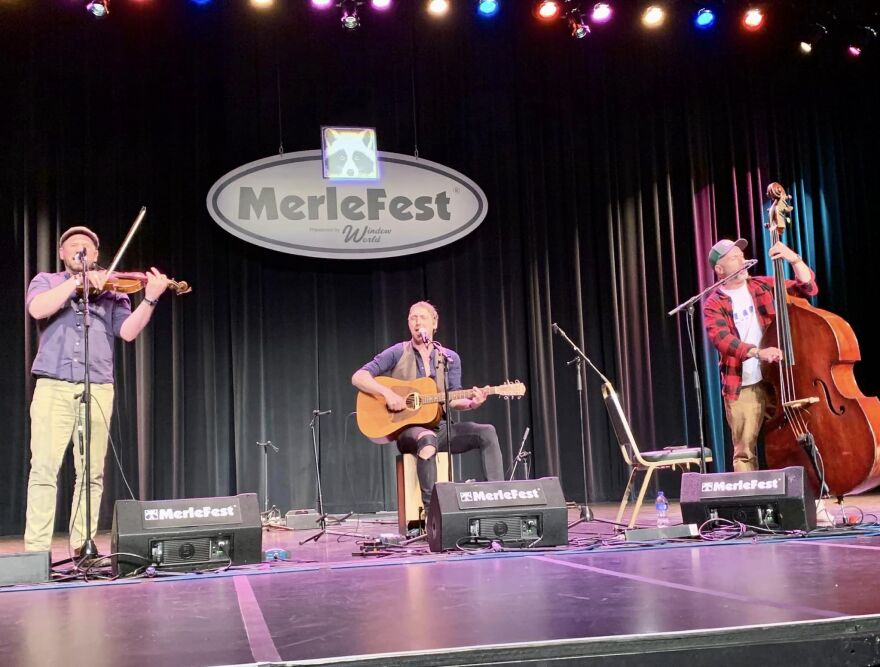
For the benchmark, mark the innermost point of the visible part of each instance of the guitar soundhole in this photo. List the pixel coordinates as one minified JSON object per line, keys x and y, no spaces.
{"x":413,"y":402}
{"x":837,"y":411}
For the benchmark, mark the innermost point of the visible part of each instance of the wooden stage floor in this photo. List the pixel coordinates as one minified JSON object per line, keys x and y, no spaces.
{"x":806,"y":601}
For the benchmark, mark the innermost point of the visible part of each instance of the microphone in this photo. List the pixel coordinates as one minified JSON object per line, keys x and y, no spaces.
{"x":80,"y":255}
{"x":423,"y":335}
{"x":321,"y":413}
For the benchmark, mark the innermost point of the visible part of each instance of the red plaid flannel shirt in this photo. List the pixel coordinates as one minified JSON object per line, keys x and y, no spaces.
{"x":718,"y":320}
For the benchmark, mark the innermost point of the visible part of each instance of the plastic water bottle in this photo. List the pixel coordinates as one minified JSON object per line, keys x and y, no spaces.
{"x":662,"y":507}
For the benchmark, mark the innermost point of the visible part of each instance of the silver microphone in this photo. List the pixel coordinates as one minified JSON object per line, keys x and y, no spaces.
{"x":423,"y":334}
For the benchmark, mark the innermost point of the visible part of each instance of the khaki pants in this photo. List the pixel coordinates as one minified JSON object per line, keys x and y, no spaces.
{"x":54,"y":420}
{"x":745,"y":416}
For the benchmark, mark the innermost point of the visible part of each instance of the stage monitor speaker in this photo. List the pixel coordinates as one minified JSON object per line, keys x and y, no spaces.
{"x":774,"y":499}
{"x":186,"y":534}
{"x":515,"y":513}
{"x":31,"y":567}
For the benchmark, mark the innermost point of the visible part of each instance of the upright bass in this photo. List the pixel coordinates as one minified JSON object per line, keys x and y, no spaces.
{"x":821,"y":420}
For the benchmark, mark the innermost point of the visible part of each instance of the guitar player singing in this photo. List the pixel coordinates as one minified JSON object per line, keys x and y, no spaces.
{"x":416,"y":358}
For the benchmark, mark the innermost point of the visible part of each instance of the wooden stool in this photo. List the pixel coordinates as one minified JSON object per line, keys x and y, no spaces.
{"x":409,"y":493}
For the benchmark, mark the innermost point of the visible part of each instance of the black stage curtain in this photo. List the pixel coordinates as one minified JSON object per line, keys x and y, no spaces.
{"x":609,"y":165}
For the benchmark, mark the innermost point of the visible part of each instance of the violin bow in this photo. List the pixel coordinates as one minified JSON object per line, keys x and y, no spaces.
{"x":128,"y":237}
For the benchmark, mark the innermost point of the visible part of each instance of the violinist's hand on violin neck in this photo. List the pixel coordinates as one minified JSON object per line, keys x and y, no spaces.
{"x":97,"y":279}
{"x":157,"y":282}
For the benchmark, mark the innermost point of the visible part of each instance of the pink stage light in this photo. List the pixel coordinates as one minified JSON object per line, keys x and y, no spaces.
{"x":381,"y":4}
{"x":322,"y":4}
{"x":601,"y":12}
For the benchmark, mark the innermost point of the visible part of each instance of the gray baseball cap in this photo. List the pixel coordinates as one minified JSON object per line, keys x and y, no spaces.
{"x":723,"y":247}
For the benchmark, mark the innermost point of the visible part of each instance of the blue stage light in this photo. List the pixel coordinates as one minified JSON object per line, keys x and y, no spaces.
{"x":487,"y":7}
{"x":704,"y":18}
{"x":201,"y":2}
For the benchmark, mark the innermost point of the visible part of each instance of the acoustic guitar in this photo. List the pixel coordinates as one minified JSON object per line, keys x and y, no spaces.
{"x":381,"y":425}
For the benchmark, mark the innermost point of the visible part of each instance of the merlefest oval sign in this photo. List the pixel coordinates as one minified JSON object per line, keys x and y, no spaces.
{"x":285,"y":203}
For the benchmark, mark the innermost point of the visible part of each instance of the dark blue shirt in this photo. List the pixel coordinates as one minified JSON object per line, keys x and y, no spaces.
{"x":384,"y":362}
{"x":60,"y":355}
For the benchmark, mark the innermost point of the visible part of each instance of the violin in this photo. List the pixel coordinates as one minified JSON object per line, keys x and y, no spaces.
{"x":129,"y":282}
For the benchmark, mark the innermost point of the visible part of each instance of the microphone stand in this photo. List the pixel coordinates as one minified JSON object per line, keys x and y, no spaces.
{"x":443,"y":359}
{"x":521,"y":456}
{"x":267,"y":514}
{"x":586,"y":514}
{"x":88,"y":550}
{"x":315,"y":428}
{"x":689,"y":306}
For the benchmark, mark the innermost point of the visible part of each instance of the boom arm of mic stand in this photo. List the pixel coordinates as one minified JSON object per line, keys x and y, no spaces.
{"x":694,"y":299}
{"x":558,"y":329}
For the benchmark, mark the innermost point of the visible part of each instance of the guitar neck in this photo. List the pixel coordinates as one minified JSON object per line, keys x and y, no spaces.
{"x":454,"y":395}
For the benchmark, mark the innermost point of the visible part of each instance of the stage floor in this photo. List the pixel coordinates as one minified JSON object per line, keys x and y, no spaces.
{"x":796,"y":601}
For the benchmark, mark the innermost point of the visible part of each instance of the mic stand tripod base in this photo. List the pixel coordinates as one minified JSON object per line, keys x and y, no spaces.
{"x":585,"y":515}
{"x":322,"y":521}
{"x":88,"y":550}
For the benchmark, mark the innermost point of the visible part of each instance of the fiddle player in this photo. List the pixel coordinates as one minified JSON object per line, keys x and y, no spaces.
{"x":736,"y":316}
{"x":54,"y":300}
{"x":419,"y":357}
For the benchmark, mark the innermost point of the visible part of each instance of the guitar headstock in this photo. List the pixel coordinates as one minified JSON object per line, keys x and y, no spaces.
{"x":515,"y":389}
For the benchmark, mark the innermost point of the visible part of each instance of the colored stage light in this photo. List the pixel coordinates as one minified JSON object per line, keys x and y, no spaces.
{"x":704,"y":18}
{"x":322,"y":4}
{"x":438,"y":7}
{"x":98,"y":8}
{"x":381,"y":5}
{"x":548,"y":10}
{"x":601,"y":13}
{"x":579,"y":27}
{"x":863,"y":38}
{"x":487,"y":7}
{"x":653,"y":16}
{"x":201,"y":3}
{"x":350,"y":19}
{"x":811,"y":37}
{"x":262,"y":4}
{"x":753,"y":19}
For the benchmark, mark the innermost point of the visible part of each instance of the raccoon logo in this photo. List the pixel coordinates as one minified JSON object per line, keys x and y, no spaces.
{"x":350,"y":154}
{"x":151,"y":515}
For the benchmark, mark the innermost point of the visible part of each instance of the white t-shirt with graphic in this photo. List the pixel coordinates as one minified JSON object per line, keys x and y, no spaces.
{"x":749,"y":329}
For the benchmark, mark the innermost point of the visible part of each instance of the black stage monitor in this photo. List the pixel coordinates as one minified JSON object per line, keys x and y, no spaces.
{"x":515,"y":513}
{"x":774,"y":499}
{"x":186,"y":534}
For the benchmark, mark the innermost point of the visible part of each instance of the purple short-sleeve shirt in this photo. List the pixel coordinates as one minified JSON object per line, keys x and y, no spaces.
{"x":60,"y":355}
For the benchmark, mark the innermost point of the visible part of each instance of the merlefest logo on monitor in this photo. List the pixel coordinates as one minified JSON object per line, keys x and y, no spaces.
{"x":348,"y":202}
{"x":166,"y":513}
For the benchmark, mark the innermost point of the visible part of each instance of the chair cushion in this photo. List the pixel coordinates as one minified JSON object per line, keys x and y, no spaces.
{"x":673,"y":454}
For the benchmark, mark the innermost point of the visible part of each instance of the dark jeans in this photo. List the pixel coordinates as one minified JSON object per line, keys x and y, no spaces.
{"x":465,"y":437}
